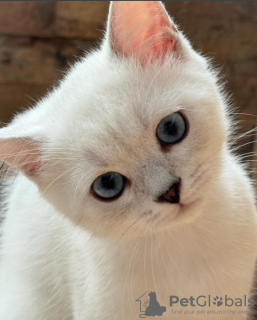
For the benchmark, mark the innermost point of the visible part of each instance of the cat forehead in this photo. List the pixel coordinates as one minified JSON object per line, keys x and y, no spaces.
{"x":107,"y":105}
{"x":100,"y":89}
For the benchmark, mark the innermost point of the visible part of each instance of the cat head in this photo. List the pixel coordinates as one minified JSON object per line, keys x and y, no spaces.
{"x":133,"y":138}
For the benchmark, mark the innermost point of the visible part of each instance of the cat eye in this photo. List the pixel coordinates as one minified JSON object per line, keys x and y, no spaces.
{"x":171,"y":129}
{"x":109,"y":185}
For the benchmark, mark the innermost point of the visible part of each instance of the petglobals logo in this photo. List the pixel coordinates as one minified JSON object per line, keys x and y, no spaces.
{"x":210,"y":301}
{"x":201,"y":305}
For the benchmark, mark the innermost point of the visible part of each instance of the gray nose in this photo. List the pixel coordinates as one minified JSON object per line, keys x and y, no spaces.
{"x":172,"y":194}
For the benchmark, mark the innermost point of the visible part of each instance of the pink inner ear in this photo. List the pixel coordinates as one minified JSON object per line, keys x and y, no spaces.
{"x":141,"y":29}
{"x":22,"y":154}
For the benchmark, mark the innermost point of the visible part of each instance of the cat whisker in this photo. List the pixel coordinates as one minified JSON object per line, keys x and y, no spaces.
{"x":241,"y":146}
{"x":161,"y":260}
{"x":243,"y":113}
{"x":131,"y":267}
{"x":93,"y":269}
{"x":152,"y":261}
{"x":245,"y":134}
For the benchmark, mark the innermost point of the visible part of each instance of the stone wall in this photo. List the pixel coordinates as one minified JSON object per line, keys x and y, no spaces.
{"x":39,"y":39}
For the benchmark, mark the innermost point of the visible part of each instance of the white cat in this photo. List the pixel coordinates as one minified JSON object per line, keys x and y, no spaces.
{"x":127,"y":186}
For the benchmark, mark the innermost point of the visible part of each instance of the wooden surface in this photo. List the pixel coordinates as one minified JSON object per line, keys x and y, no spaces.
{"x":39,"y":39}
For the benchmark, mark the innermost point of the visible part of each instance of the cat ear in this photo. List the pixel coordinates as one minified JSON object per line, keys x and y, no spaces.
{"x":141,"y":29}
{"x":22,"y":153}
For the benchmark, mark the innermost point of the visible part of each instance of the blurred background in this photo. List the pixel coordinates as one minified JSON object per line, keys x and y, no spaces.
{"x":39,"y":39}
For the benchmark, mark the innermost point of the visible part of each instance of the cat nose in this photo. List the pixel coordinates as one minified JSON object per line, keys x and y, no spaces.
{"x":172,"y":195}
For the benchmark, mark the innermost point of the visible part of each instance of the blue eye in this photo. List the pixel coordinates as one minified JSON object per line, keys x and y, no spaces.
{"x":109,"y":185}
{"x":171,"y":129}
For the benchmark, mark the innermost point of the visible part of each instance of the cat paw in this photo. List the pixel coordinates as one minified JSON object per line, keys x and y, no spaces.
{"x":217,"y":301}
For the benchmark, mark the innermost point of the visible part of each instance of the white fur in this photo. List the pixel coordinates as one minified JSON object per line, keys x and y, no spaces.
{"x":67,"y":255}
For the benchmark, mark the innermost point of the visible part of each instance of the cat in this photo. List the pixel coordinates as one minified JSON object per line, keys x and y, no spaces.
{"x":125,"y":183}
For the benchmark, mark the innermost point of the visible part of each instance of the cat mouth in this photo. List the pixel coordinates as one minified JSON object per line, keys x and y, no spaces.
{"x":175,"y":213}
{"x":185,"y":208}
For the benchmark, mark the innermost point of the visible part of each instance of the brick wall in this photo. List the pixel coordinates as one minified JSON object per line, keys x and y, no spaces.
{"x":38,"y":39}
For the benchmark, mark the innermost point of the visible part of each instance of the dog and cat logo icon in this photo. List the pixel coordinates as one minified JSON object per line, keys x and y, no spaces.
{"x":149,"y":305}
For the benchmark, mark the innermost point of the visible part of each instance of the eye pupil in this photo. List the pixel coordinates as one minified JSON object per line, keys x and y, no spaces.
{"x":109,"y":185}
{"x":108,"y":181}
{"x":171,"y":129}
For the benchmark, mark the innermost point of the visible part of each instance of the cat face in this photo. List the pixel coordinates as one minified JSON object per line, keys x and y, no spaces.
{"x":133,"y":138}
